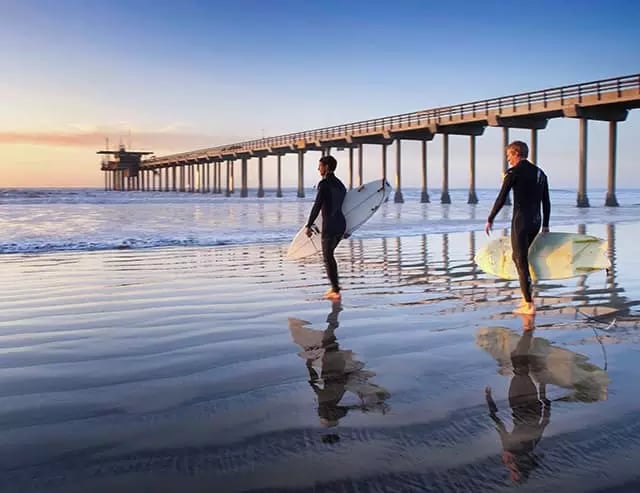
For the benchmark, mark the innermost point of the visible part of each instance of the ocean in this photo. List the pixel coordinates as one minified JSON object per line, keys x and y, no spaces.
{"x":56,"y":220}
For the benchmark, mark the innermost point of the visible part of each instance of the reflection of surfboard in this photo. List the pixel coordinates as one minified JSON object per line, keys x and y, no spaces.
{"x":359,"y":205}
{"x":551,"y":256}
{"x":549,"y":364}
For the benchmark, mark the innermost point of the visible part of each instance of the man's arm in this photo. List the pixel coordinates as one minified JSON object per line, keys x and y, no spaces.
{"x":507,"y":183}
{"x":546,"y":206}
{"x":317,"y":205}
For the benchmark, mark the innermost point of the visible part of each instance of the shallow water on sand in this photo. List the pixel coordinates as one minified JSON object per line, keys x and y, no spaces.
{"x":222,"y":369}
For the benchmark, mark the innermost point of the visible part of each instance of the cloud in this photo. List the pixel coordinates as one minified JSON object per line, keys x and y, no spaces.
{"x":165,"y":139}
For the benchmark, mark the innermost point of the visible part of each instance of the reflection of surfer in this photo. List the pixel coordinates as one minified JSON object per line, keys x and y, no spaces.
{"x":531,"y":412}
{"x":329,"y":386}
{"x":334,"y":371}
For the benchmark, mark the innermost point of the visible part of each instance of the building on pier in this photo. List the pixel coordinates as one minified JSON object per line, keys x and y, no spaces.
{"x":123,"y":168}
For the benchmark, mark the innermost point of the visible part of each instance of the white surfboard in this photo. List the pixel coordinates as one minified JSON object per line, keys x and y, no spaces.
{"x":358,"y":206}
{"x":551,"y":256}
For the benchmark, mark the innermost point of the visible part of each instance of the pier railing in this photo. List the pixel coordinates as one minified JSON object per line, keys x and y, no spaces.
{"x":523,"y":102}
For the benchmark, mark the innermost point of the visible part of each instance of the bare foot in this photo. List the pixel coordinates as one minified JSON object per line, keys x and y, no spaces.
{"x":525,"y":309}
{"x":333,"y":296}
{"x":528,"y":322}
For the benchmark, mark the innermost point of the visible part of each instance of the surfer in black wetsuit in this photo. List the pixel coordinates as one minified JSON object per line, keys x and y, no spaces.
{"x":530,"y":190}
{"x":329,"y":199}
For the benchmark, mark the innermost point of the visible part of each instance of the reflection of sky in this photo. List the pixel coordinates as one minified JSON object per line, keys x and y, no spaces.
{"x":235,"y":70}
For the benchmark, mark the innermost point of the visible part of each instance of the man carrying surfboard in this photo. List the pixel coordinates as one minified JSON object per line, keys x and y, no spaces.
{"x":530,"y":191}
{"x":329,"y":199}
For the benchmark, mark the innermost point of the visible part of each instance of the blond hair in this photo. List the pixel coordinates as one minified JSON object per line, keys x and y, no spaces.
{"x":520,"y":148}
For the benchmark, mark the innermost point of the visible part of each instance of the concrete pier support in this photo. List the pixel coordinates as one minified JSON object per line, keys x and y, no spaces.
{"x":192,"y":168}
{"x":166,"y":179}
{"x":300,"y":174}
{"x":174,"y":186}
{"x":220,"y":177}
{"x":350,"y":168}
{"x":279,"y":190}
{"x":260,"y":176}
{"x":424,"y":196}
{"x":533,"y":147}
{"x":244,"y":189}
{"x":384,"y":161}
{"x":360,"y":159}
{"x":473,"y":198}
{"x":106,"y":182}
{"x":444,"y":197}
{"x":398,"y":198}
{"x":227,"y":192}
{"x":232,"y":186}
{"x":160,"y":180}
{"x":214,"y":177}
{"x":583,"y":200}
{"x":505,"y":163}
{"x":611,"y":200}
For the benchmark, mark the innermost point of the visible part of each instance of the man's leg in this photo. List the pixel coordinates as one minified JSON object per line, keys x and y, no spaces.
{"x":520,"y":247}
{"x":329,"y":245}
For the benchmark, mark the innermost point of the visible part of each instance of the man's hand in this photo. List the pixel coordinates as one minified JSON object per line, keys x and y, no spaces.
{"x":308,"y":232}
{"x":545,"y":230}
{"x":487,"y":228}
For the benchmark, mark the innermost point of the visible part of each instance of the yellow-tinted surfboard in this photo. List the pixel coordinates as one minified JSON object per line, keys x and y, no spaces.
{"x":551,"y":256}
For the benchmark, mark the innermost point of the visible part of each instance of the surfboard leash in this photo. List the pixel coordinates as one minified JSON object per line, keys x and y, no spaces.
{"x":607,"y":328}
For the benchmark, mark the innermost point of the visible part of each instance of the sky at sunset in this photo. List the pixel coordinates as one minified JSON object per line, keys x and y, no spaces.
{"x":177,"y":76}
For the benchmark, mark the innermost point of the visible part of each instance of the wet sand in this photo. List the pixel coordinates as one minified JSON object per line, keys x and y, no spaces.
{"x":222,"y":369}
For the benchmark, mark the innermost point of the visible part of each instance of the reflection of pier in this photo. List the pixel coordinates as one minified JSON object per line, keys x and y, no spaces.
{"x":606,"y":100}
{"x":445,"y":275}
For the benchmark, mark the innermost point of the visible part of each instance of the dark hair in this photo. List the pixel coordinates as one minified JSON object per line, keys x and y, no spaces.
{"x":329,"y":161}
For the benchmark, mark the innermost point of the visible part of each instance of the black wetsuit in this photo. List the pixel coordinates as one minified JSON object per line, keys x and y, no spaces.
{"x":530,"y":190}
{"x":329,"y":199}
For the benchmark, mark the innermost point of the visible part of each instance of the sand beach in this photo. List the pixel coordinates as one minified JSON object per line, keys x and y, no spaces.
{"x":157,"y":160}
{"x":222,"y":369}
